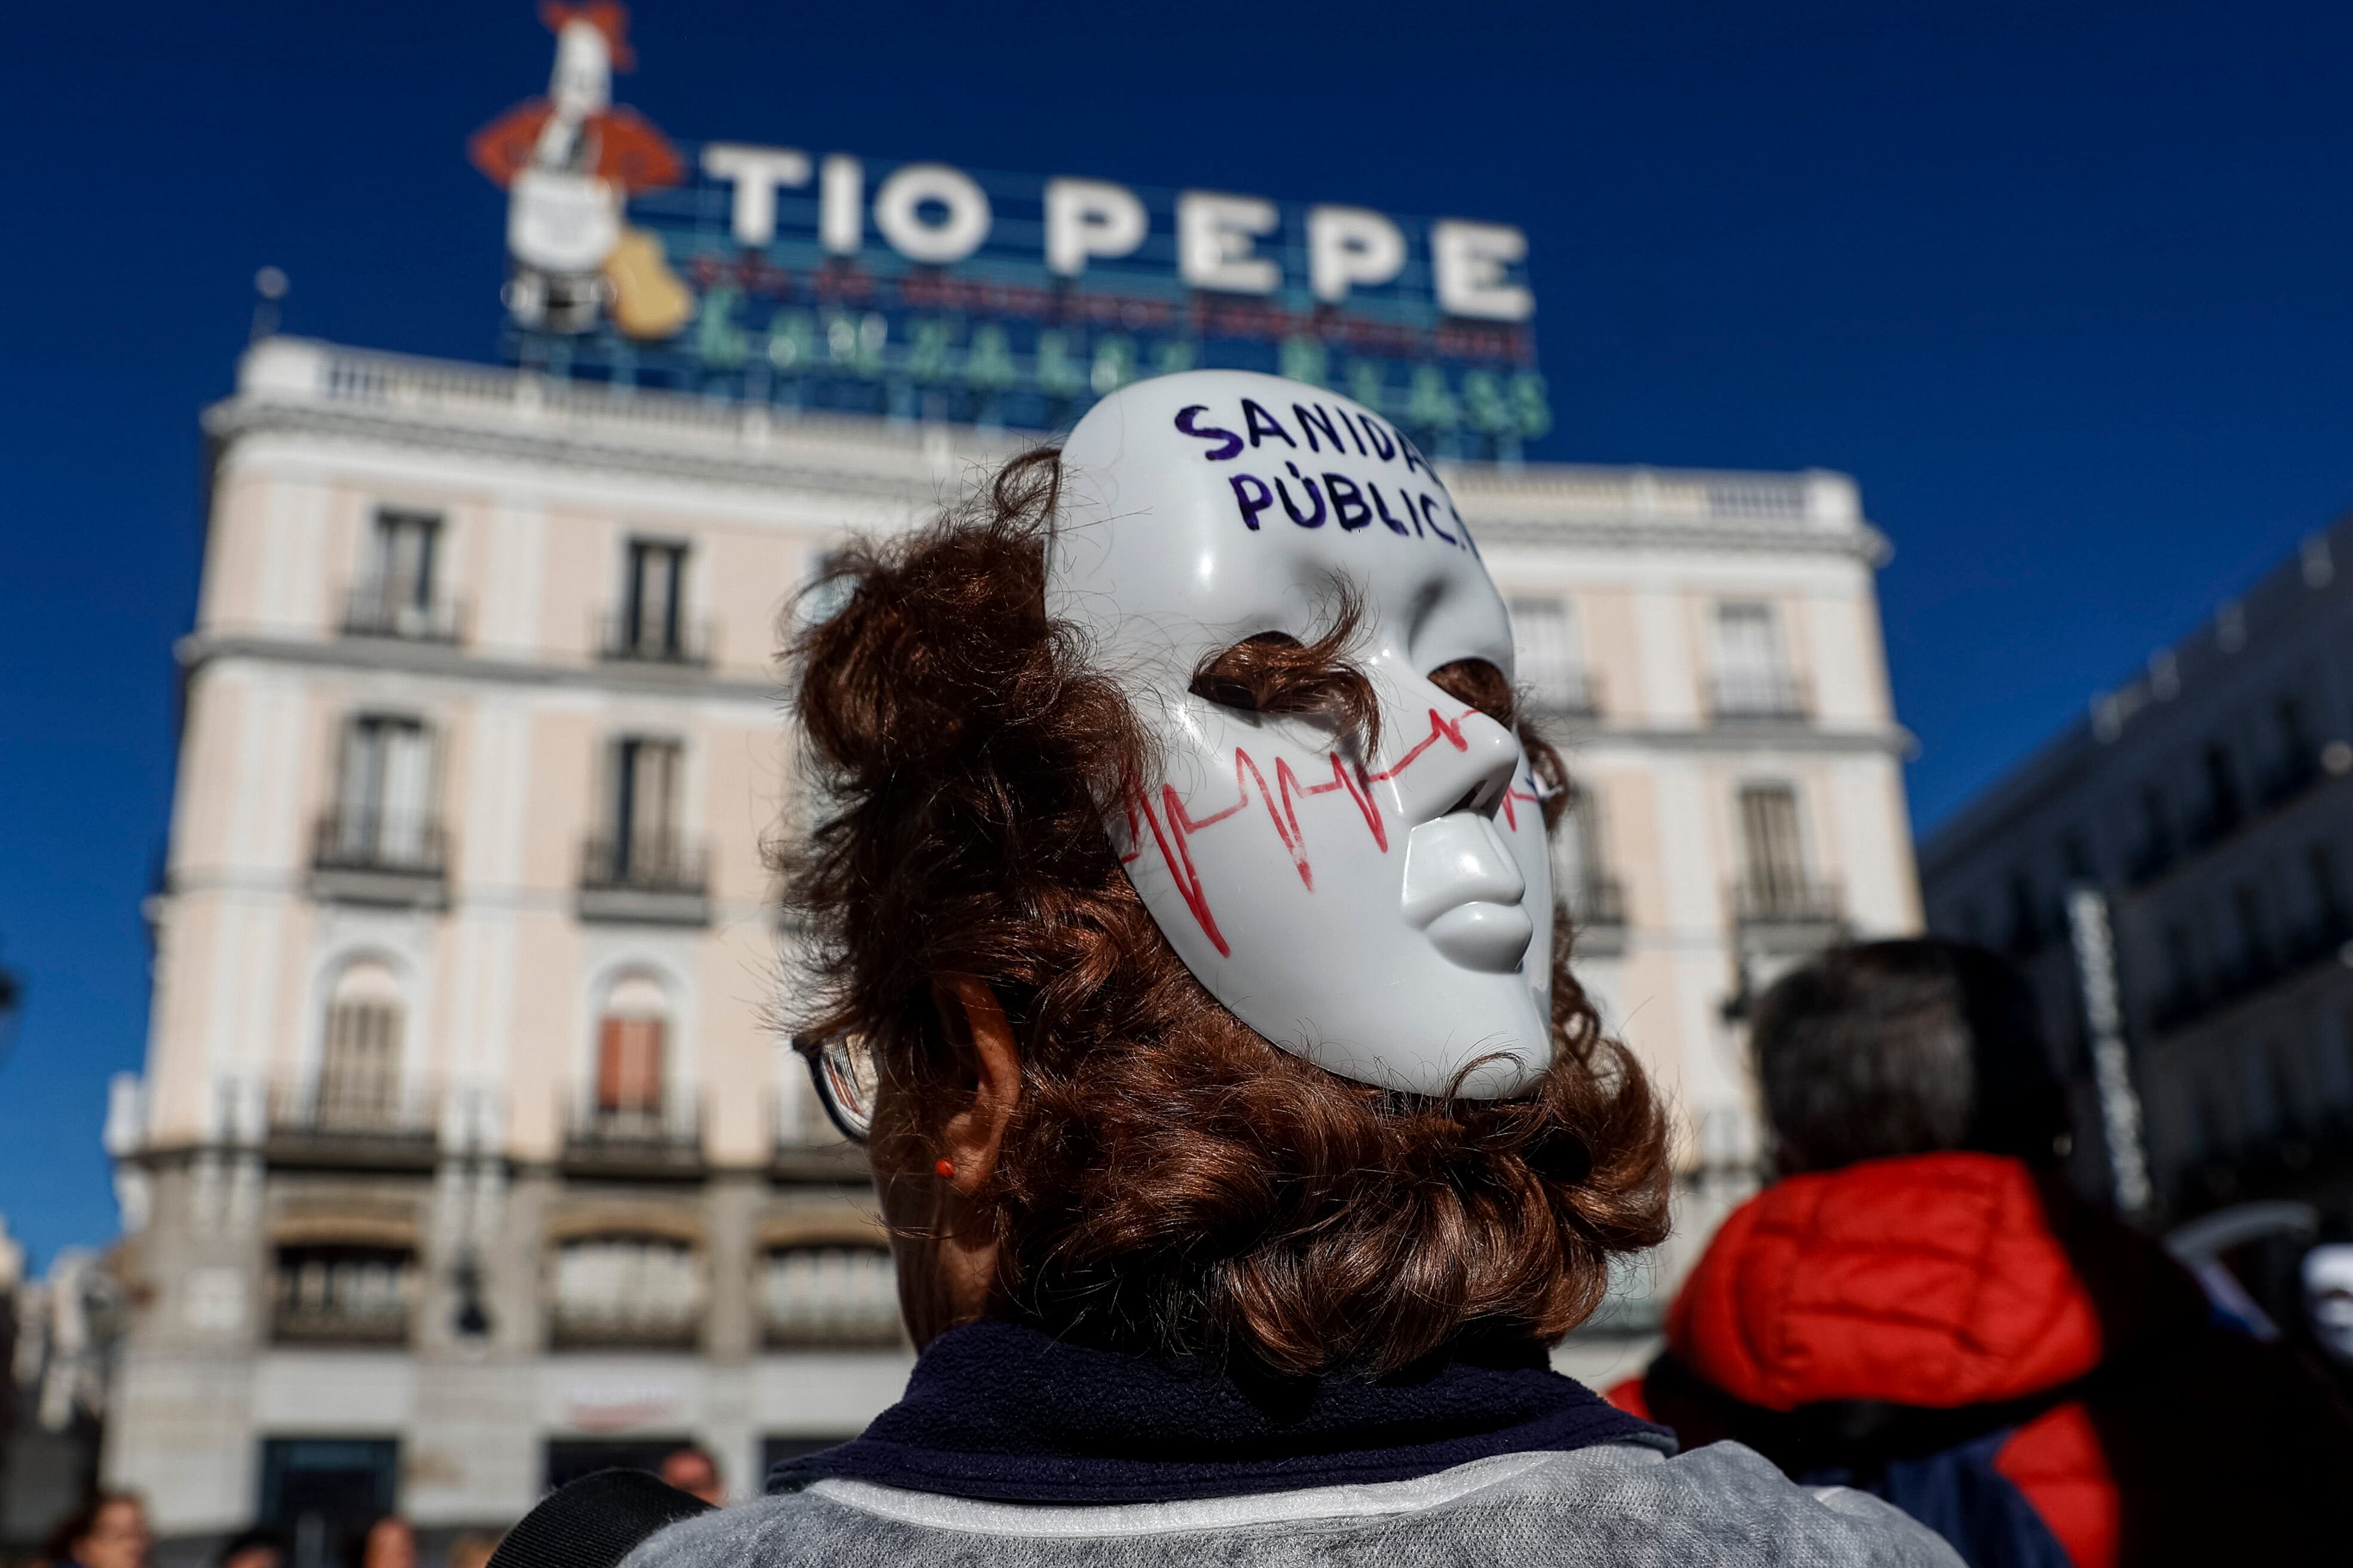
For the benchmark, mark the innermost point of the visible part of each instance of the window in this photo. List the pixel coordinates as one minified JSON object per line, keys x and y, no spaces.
{"x":647,"y":786}
{"x":382,"y":800}
{"x":397,"y":594}
{"x":1544,"y":647}
{"x":343,"y":1295}
{"x":2182,"y":964}
{"x":2222,"y":803}
{"x":632,"y":1048}
{"x":2254,"y":934}
{"x":1773,"y":855}
{"x":831,"y":1294}
{"x":2294,"y":737}
{"x":1751,"y":678}
{"x":1580,"y":862}
{"x":2025,"y":925}
{"x":653,"y":603}
{"x":2327,"y":893}
{"x":626,"y":1290}
{"x":2075,"y":854}
{"x":359,"y":1085}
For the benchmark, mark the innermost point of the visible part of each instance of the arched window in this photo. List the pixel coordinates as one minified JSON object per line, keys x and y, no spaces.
{"x":359,"y":1060}
{"x":627,"y":1290}
{"x":632,"y":1048}
{"x":830,"y":1294}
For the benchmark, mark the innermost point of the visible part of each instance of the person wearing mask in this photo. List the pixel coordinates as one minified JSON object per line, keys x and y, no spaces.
{"x":1919,"y":1305}
{"x":1180,"y":943}
{"x":109,"y":1530}
{"x":695,"y":1471}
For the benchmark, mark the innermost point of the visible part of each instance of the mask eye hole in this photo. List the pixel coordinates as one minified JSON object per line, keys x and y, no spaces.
{"x":1238,"y":678}
{"x":1482,"y":686}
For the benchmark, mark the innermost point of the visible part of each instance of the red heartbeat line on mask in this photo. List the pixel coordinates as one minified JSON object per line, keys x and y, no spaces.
{"x":1283,"y":810}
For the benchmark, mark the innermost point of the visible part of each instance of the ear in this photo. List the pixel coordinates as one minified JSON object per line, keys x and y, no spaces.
{"x":982,"y":1037}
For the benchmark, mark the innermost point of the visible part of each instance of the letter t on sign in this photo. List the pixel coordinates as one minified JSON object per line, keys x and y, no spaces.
{"x":756,"y":173}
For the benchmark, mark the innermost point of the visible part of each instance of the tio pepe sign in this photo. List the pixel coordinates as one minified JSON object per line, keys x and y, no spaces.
{"x":923,"y":289}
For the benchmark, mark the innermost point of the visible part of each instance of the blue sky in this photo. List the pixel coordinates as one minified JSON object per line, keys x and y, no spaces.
{"x":2069,"y":288}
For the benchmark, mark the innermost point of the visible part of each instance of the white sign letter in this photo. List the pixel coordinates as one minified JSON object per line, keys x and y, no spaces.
{"x":1090,"y":218}
{"x":840,"y":202}
{"x":1470,"y":258}
{"x":1348,"y":245}
{"x":756,"y":171}
{"x":899,"y":212}
{"x":1214,"y":236}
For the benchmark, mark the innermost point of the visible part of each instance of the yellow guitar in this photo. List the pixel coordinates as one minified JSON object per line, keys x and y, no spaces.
{"x":648,"y":300}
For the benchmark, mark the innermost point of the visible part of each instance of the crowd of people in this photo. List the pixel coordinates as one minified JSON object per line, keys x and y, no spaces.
{"x":109,"y":1530}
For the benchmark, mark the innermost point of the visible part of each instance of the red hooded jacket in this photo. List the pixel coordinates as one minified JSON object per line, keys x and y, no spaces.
{"x":2140,"y":1431}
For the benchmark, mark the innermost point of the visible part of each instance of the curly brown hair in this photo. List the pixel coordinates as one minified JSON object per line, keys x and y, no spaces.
{"x":1170,"y":1182}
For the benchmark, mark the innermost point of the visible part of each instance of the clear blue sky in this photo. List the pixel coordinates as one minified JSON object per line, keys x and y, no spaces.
{"x":2069,"y":288}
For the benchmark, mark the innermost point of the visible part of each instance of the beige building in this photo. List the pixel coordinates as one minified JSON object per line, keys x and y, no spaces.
{"x":467,"y":1155}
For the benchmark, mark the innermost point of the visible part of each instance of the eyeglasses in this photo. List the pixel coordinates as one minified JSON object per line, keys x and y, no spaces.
{"x":844,"y":1072}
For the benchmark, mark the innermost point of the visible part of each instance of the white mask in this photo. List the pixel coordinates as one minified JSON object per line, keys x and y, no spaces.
{"x":2328,"y":1297}
{"x":1388,"y":918}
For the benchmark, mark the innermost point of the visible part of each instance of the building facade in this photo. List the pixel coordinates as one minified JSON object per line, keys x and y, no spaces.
{"x":2207,"y":803}
{"x":468,"y":1156}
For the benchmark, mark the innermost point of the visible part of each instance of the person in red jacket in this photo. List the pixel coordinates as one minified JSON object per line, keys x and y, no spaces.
{"x":1919,"y":1305}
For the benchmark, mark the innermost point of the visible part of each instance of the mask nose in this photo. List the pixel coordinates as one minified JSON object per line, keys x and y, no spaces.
{"x":1441,"y":763}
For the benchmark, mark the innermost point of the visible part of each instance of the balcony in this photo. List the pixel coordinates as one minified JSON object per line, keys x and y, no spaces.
{"x":663,"y":1137}
{"x":1786,"y":912}
{"x":622,"y":638}
{"x":342,"y":1296}
{"x":1597,"y":907}
{"x":1759,"y":697}
{"x":393,"y":611}
{"x":2318,"y":944}
{"x":1570,"y":692}
{"x":830,"y":1297}
{"x":392,"y":861}
{"x":644,"y":879}
{"x":627,"y":1292}
{"x":363,"y":1122}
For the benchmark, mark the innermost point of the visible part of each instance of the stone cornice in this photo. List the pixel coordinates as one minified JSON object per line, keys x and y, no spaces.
{"x":200,"y":649}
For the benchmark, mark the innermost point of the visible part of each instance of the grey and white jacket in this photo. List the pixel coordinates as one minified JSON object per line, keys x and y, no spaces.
{"x":1623,"y":1505}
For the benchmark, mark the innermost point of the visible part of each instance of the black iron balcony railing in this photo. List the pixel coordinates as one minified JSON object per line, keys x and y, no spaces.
{"x":654,"y":863}
{"x":1572,"y":693}
{"x":356,"y":839}
{"x":1596,"y":900}
{"x":1786,"y":898}
{"x":648,"y":1135}
{"x":647,"y":879}
{"x":394,"y":610}
{"x":1775,"y":695}
{"x":353,"y":1103}
{"x":653,"y":639}
{"x":363,"y":857}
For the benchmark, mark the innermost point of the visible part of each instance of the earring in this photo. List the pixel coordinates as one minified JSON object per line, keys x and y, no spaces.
{"x":943,"y":1169}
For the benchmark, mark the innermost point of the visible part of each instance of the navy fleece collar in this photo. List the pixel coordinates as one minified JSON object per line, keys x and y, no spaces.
{"x":1004,"y":1412}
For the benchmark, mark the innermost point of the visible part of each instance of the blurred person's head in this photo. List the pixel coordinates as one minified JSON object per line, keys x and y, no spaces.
{"x":695,"y":1471}
{"x":109,"y":1530}
{"x":1880,"y":1049}
{"x":252,"y":1549}
{"x":473,"y":1548}
{"x":390,"y":1542}
{"x":1071,"y":1128}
